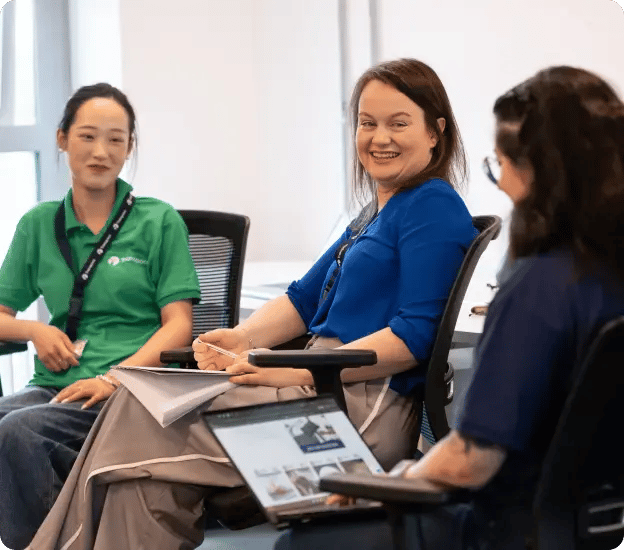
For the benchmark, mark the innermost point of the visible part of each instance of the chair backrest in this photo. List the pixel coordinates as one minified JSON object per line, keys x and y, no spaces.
{"x":218,"y":241}
{"x":434,"y":424}
{"x":579,"y":500}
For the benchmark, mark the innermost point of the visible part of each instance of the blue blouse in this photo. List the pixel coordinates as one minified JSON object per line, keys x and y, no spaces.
{"x":398,"y":273}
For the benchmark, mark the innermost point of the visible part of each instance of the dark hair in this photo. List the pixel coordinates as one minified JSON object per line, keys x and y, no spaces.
{"x":101,"y":89}
{"x":421,"y":84}
{"x":568,"y":124}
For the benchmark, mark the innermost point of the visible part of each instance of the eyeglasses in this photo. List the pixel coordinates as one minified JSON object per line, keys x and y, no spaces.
{"x":492,"y":169}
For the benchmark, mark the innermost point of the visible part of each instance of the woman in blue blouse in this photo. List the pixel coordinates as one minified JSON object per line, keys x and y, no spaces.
{"x":393,"y":281}
{"x":560,"y":158}
{"x":397,"y":266}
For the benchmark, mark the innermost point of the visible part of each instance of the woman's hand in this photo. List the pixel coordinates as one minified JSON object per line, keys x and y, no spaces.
{"x":230,"y":339}
{"x":339,"y":500}
{"x":244,"y":373}
{"x":54,"y":348}
{"x":92,"y":389}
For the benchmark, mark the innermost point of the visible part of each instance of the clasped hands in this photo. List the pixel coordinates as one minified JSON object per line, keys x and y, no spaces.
{"x":236,"y":341}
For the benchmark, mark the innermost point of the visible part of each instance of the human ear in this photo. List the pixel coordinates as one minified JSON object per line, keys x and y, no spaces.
{"x":526,"y":176}
{"x":61,"y":140}
{"x":441,"y":124}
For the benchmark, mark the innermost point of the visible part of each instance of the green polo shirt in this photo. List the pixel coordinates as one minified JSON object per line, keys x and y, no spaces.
{"x":147,"y":266}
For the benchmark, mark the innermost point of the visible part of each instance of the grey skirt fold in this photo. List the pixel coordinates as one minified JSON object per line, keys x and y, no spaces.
{"x":137,"y":485}
{"x":126,"y":445}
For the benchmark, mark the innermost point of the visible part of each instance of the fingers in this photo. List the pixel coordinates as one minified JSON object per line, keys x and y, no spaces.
{"x":59,"y":355}
{"x":71,"y":393}
{"x":210,"y":359}
{"x":340,"y":500}
{"x":95,"y":399}
{"x":211,"y":363}
{"x":215,"y":336}
{"x":57,"y":364}
{"x":91,"y":389}
{"x":198,"y":345}
{"x":242,"y":367}
{"x":251,"y":379}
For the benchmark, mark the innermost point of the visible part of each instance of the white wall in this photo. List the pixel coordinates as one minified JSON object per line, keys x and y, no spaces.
{"x":239,"y":110}
{"x":94,"y":27}
{"x":481,"y":48}
{"x":239,"y":100}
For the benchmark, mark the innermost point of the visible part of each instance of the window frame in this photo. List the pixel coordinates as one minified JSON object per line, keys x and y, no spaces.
{"x":52,"y":88}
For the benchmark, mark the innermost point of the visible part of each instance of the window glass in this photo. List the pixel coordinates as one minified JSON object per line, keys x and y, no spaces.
{"x":18,"y":173}
{"x":24,"y":63}
{"x":1,"y":31}
{"x":19,"y":184}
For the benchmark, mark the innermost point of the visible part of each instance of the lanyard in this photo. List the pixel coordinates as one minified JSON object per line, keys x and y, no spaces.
{"x":358,"y":226}
{"x":77,"y":295}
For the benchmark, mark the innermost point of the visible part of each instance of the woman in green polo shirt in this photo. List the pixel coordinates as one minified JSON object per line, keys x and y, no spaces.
{"x":136,"y":303}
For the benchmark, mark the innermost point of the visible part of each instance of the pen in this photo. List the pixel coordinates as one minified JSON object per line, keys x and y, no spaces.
{"x":220,"y":350}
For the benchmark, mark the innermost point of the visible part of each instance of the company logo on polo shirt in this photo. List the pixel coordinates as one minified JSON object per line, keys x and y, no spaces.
{"x":114,"y":260}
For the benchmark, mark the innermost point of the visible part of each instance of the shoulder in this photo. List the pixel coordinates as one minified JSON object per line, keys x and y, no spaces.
{"x":434,"y":202}
{"x":546,"y":279}
{"x":540,"y":271}
{"x":39,"y":216}
{"x":149,"y":209}
{"x":433,"y":196}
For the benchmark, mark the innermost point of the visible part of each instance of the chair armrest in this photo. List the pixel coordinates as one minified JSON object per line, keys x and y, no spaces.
{"x":392,"y":490}
{"x":184,"y":356}
{"x":324,"y":364}
{"x":7,"y":348}
{"x":304,"y":359}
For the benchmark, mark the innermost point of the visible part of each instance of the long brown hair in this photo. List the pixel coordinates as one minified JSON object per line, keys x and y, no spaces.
{"x":568,"y":124}
{"x":421,"y":84}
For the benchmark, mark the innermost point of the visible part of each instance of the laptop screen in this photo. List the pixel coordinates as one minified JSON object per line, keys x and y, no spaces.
{"x":283,"y":449}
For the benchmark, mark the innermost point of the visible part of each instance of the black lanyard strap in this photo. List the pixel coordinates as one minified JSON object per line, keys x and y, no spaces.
{"x":357,"y":226}
{"x":81,"y":280}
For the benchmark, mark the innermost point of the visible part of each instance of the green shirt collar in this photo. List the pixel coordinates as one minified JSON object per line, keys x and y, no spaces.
{"x":70,"y":217}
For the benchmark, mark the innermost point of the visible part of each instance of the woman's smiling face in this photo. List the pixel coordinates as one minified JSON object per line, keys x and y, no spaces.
{"x":97,"y":143}
{"x":392,"y":138}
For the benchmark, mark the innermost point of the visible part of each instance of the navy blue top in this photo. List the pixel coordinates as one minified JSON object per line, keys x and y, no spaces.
{"x":397,"y":273}
{"x":537,"y":329}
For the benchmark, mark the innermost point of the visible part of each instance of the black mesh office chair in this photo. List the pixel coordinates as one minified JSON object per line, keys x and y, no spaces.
{"x":7,"y":348}
{"x":438,"y":390}
{"x":236,"y":508}
{"x":218,"y":242}
{"x":439,"y":383}
{"x":578,"y":503}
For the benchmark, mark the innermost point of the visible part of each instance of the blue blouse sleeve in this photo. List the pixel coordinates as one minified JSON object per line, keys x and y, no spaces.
{"x":306,"y":292}
{"x":434,"y":234}
{"x":528,"y":331}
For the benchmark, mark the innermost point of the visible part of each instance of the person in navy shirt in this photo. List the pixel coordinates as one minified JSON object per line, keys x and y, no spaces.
{"x":560,"y":158}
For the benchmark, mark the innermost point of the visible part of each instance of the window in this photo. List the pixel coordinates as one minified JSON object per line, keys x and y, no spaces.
{"x":33,"y":34}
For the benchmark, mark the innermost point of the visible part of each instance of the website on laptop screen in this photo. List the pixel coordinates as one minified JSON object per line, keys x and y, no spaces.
{"x":283,"y":449}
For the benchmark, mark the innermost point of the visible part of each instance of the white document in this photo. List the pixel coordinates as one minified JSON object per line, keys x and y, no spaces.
{"x":170,"y":393}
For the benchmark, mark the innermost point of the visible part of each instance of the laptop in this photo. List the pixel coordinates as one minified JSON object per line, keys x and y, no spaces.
{"x":283,"y":449}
